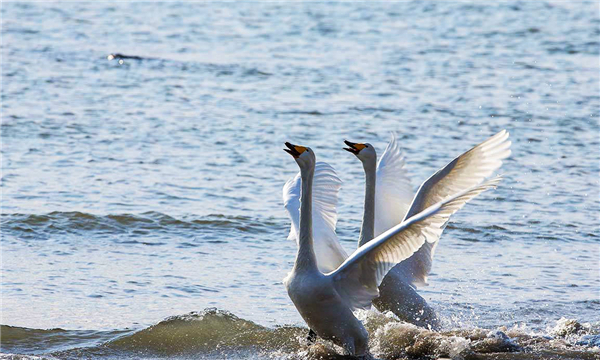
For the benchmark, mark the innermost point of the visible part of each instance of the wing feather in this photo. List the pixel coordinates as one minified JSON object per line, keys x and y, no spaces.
{"x":394,"y":192}
{"x":291,"y":203}
{"x":358,"y":278}
{"x":326,"y":185}
{"x":465,"y":171}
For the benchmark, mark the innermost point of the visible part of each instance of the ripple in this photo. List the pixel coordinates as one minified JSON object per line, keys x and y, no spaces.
{"x":148,"y":222}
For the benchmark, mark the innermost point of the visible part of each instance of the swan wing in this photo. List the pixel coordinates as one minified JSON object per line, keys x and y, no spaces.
{"x":465,"y":171}
{"x":358,"y":278}
{"x":326,"y":185}
{"x":394,"y":192}
{"x":291,"y":203}
{"x":461,"y":173}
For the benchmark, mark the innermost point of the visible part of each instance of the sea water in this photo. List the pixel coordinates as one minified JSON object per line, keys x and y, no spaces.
{"x":141,"y":197}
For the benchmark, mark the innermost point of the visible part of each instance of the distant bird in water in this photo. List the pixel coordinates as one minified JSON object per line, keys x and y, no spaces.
{"x":326,"y":299}
{"x":122,"y":57}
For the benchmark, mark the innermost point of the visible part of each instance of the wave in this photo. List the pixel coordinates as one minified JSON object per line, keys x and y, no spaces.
{"x":38,"y":341}
{"x":216,"y":333}
{"x":28,"y":225}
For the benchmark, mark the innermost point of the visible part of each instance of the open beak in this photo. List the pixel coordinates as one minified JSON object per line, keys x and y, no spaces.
{"x":354,"y":148}
{"x":294,"y":150}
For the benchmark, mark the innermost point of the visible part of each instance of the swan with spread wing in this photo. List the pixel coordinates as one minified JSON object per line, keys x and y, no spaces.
{"x":388,"y":201}
{"x":326,"y":300}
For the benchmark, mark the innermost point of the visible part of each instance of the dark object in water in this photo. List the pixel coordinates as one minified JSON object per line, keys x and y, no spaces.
{"x":122,"y":56}
{"x":312,"y":337}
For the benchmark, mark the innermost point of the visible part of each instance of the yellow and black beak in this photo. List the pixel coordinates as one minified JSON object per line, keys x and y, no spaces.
{"x":354,"y":148}
{"x":294,"y":150}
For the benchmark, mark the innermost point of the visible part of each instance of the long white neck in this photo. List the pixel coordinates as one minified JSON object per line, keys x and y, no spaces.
{"x":305,"y":260}
{"x":367,"y":231}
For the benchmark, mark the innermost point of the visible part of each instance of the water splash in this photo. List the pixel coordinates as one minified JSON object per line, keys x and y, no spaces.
{"x":217,"y":333}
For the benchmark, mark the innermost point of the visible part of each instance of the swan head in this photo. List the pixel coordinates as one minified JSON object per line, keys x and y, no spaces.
{"x":304,"y":156}
{"x":364,"y":152}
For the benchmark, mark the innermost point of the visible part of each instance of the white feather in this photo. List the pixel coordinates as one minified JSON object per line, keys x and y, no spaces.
{"x":358,"y":278}
{"x":326,"y":186}
{"x":394,"y":193}
{"x":467,"y":170}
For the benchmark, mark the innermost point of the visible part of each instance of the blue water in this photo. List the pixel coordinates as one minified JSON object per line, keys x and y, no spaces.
{"x":137,"y":190}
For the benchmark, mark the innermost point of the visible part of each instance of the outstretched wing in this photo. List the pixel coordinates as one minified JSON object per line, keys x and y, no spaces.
{"x":326,"y":185}
{"x":467,"y":170}
{"x":358,"y":278}
{"x":393,"y":191}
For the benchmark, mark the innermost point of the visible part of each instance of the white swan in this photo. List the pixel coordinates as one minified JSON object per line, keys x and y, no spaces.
{"x":390,"y":194}
{"x":326,"y":301}
{"x":389,"y":200}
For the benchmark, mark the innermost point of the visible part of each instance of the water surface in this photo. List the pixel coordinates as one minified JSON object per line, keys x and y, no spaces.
{"x":147,"y":189}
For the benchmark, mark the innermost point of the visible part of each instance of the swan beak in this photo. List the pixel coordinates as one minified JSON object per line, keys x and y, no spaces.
{"x":354,"y":148}
{"x":294,"y":150}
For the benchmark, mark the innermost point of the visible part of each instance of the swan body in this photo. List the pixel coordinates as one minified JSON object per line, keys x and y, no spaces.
{"x":326,"y":300}
{"x":325,"y":312}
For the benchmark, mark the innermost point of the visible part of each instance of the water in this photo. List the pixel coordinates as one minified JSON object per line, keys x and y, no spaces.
{"x":151,"y":189}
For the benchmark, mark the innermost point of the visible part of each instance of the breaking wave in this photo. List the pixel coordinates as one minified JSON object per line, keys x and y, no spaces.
{"x":215,"y":333}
